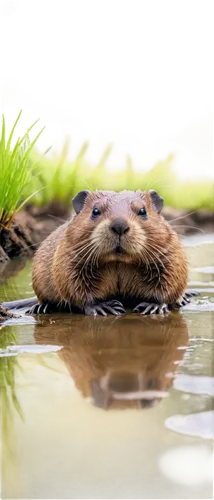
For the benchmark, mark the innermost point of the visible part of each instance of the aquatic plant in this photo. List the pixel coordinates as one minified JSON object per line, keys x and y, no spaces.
{"x":15,"y":170}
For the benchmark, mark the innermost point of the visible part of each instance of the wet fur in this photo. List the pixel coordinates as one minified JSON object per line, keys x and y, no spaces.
{"x":154,"y":268}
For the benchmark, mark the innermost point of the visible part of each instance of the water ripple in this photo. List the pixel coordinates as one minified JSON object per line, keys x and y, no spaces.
{"x":195,"y":424}
{"x":14,"y":350}
{"x":197,"y":240}
{"x":207,"y":269}
{"x":194,"y":384}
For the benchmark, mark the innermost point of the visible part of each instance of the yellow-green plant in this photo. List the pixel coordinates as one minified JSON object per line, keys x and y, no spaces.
{"x":54,"y":180}
{"x":9,"y":402}
{"x":27,"y":175}
{"x":15,"y":171}
{"x":68,"y":168}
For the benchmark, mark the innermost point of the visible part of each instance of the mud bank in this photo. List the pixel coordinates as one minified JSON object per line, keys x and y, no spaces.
{"x":29,"y":228}
{"x":32,"y":225}
{"x":186,"y":222}
{"x":5,"y":314}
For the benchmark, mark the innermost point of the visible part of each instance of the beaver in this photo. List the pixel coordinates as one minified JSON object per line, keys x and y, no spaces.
{"x":116,"y":252}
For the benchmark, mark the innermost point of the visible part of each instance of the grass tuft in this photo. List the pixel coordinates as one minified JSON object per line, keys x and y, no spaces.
{"x":15,"y":170}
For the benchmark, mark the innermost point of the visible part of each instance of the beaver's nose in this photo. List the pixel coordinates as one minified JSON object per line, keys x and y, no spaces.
{"x":119,"y":226}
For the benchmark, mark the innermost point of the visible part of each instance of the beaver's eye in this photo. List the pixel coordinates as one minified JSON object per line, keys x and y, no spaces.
{"x":142,"y":212}
{"x":95,"y":212}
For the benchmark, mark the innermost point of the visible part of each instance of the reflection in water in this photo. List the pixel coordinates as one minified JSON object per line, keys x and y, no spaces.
{"x":55,"y":445}
{"x":11,"y":269}
{"x":15,"y":278}
{"x":119,"y":362}
{"x":8,"y":401}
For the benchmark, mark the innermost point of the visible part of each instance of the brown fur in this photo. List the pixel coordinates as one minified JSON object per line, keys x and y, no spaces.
{"x":77,"y":262}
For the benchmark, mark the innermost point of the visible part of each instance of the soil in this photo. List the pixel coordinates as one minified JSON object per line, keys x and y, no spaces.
{"x":32,"y":225}
{"x":186,"y":222}
{"x":29,"y":228}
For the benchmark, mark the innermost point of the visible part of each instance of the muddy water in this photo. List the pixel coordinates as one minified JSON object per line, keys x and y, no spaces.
{"x":109,"y":407}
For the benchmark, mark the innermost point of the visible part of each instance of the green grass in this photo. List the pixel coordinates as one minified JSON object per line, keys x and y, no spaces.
{"x":15,"y":171}
{"x":28,"y":176}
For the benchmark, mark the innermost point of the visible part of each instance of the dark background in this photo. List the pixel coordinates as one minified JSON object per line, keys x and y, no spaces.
{"x":54,"y":60}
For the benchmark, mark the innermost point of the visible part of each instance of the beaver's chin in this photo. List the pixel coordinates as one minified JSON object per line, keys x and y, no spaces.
{"x":119,"y":254}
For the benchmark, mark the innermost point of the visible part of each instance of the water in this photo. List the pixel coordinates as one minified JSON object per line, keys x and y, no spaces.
{"x":109,"y":407}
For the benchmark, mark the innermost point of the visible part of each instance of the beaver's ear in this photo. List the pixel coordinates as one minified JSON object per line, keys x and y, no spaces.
{"x":78,"y":201}
{"x":157,"y":201}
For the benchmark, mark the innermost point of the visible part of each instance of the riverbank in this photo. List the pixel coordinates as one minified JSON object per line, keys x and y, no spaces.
{"x":29,"y":228}
{"x":187,"y":222}
{"x":32,"y":225}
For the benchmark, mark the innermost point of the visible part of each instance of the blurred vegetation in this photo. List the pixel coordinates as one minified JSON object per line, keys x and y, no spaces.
{"x":28,"y":176}
{"x":12,"y":480}
{"x":57,"y":179}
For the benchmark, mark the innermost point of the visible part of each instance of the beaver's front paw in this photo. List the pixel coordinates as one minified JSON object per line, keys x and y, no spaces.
{"x":145,"y":308}
{"x":103,"y":308}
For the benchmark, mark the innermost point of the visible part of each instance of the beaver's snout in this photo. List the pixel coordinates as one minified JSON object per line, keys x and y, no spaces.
{"x":119,"y":226}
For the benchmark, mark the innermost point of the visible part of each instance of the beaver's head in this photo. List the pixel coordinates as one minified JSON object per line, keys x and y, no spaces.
{"x":118,"y":226}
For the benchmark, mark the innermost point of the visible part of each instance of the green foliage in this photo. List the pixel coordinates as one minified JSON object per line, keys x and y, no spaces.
{"x":54,"y":179}
{"x":58,"y":180}
{"x":117,"y":142}
{"x":9,"y":402}
{"x":14,"y":172}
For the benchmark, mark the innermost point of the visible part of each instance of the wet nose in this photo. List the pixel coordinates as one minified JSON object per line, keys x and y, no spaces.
{"x":119,"y":226}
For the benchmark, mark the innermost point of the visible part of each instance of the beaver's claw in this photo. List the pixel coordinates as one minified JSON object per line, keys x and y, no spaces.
{"x":103,"y":308}
{"x":44,"y":308}
{"x":145,"y":308}
{"x":50,"y":308}
{"x":185,"y":299}
{"x":191,"y":293}
{"x":182,"y":302}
